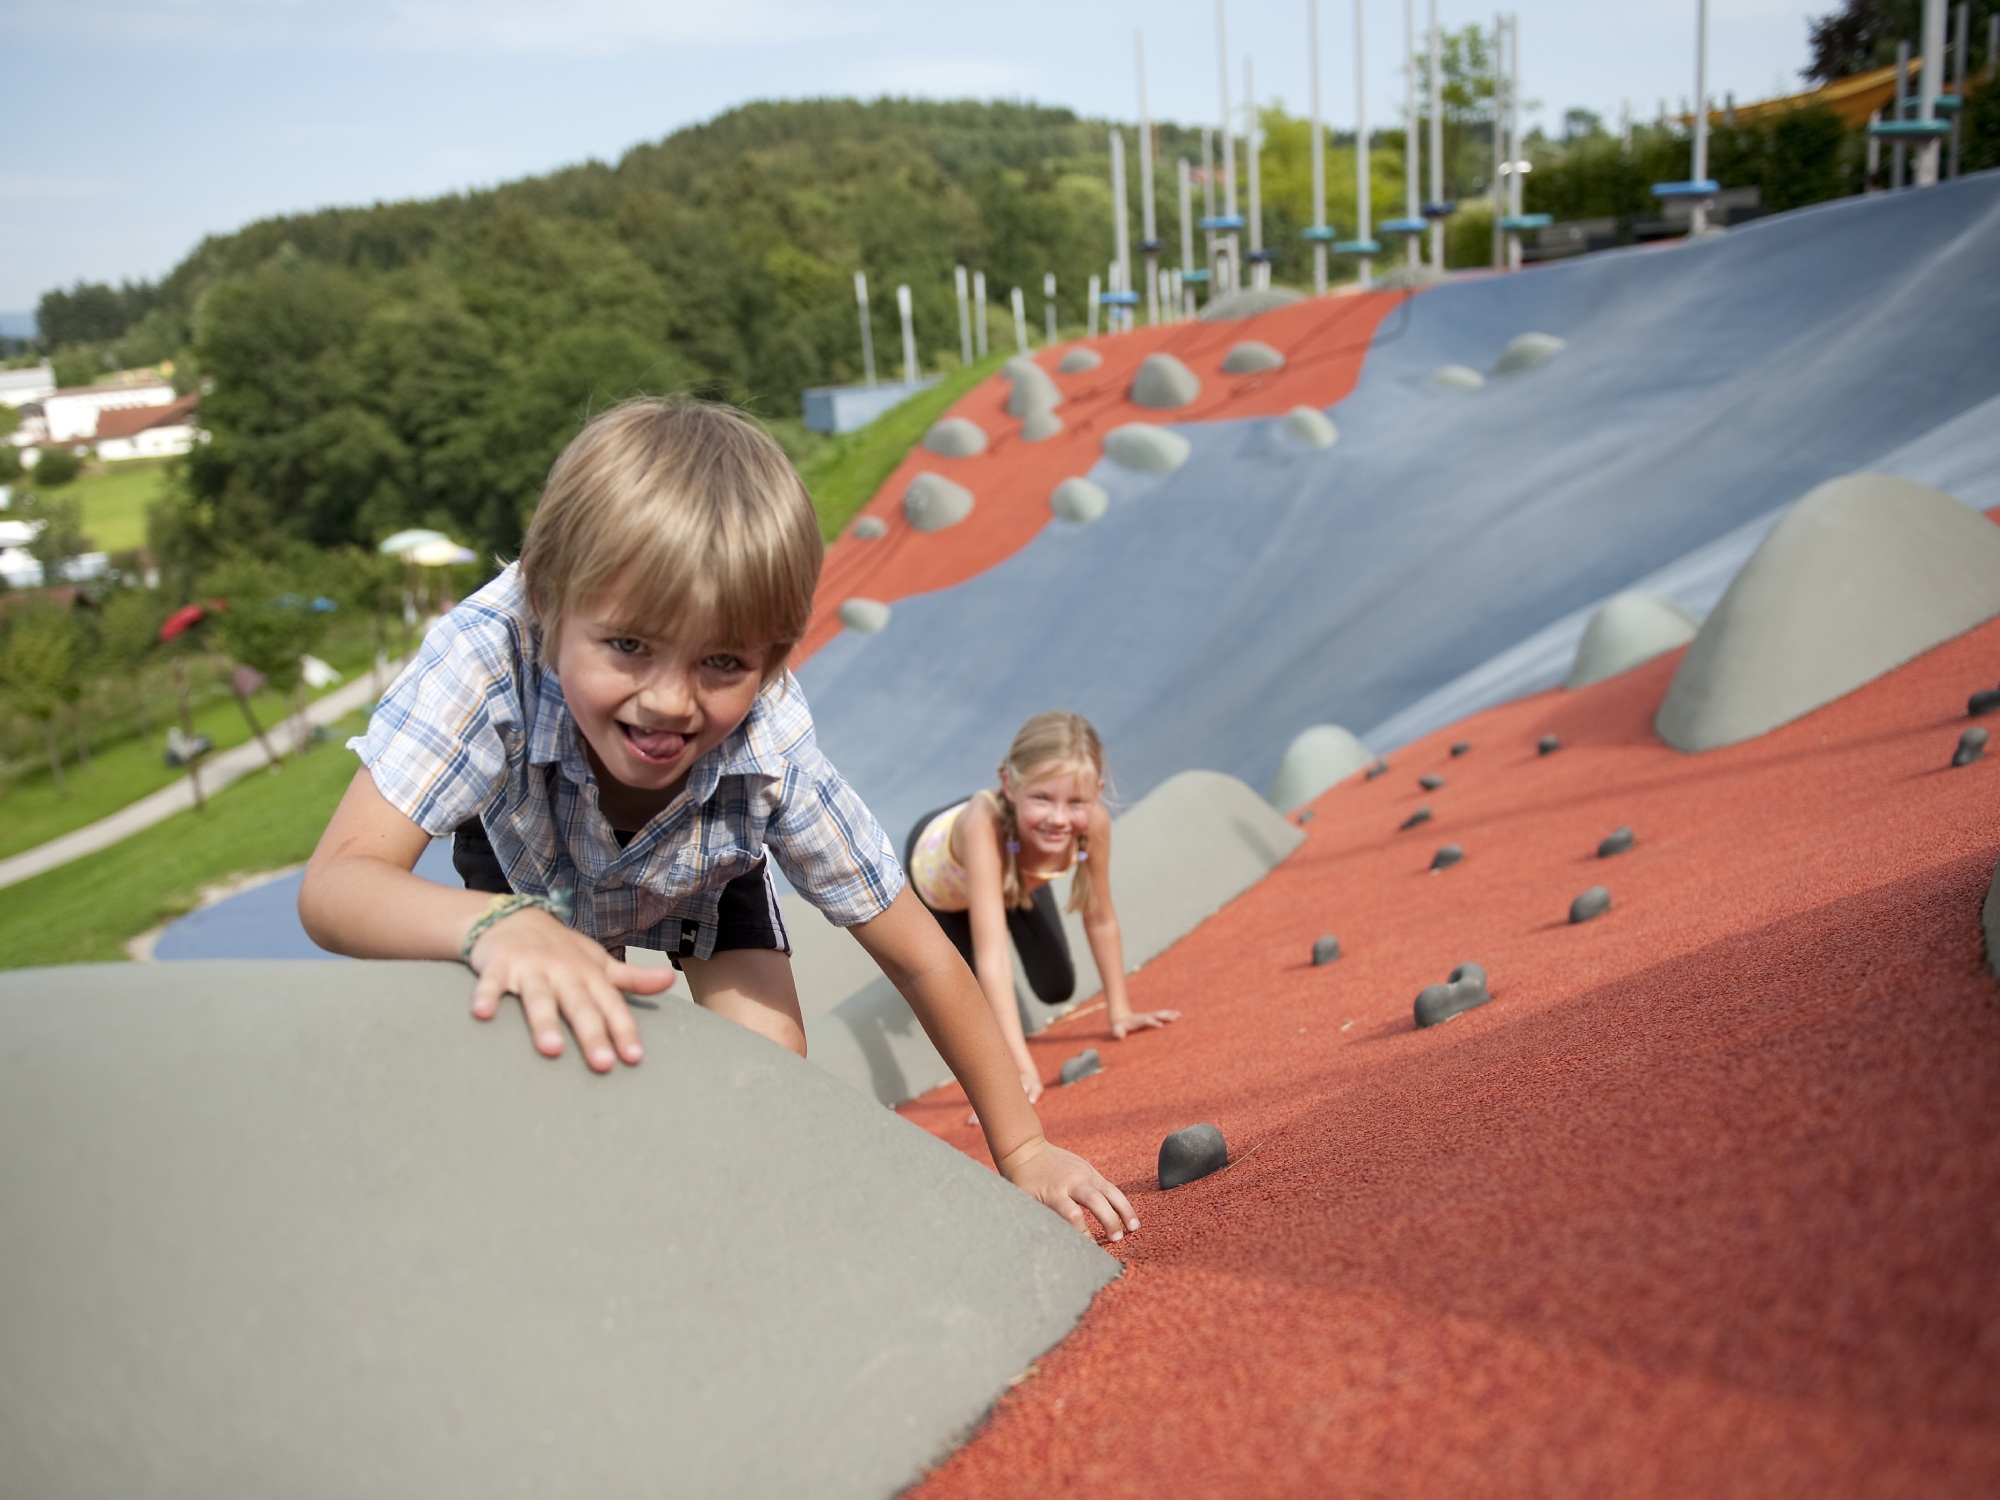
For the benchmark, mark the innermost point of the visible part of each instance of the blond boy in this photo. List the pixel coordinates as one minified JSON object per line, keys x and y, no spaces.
{"x":610,"y":729}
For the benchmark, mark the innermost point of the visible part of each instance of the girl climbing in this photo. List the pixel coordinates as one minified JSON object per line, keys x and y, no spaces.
{"x":983,"y":866}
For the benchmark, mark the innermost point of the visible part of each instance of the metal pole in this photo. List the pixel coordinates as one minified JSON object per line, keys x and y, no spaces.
{"x":1364,"y":226}
{"x":1898,"y":158}
{"x":1437,"y":138}
{"x":1228,"y":145}
{"x":1149,"y":243}
{"x":979,"y":310}
{"x":1319,"y":149}
{"x":1698,"y":217}
{"x":1929,"y":77}
{"x":1121,"y":227}
{"x":1958,"y":51}
{"x":1090,"y":317}
{"x":1049,"y":303}
{"x":867,"y":333}
{"x":1020,"y":322}
{"x":912,"y":372}
{"x":964,"y":316}
{"x":1874,"y":154}
{"x":1502,"y":157}
{"x":1187,"y":216}
{"x":1208,"y":204}
{"x":1413,"y":152}
{"x":1514,"y":184}
{"x":1260,"y":273}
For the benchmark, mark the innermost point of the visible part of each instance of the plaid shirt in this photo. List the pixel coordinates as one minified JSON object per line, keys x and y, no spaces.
{"x":476,"y":726}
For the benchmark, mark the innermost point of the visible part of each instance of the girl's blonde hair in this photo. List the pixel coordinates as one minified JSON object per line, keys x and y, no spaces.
{"x":692,"y":512}
{"x":1048,"y":742}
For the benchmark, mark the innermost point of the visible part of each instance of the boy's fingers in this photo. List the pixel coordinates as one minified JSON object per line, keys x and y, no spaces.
{"x":587,"y":1022}
{"x":538,"y":1007}
{"x":618,"y":1020}
{"x":637,"y":981}
{"x":1100,"y":1206}
{"x":1118,"y":1201}
{"x":486,"y":996}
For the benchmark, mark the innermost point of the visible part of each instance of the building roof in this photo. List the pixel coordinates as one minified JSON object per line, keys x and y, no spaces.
{"x":129,"y":421}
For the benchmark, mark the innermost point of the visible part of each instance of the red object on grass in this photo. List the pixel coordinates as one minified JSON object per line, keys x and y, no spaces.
{"x":188,"y":616}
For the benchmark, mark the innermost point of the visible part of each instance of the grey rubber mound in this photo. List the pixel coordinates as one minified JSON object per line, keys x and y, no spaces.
{"x":1316,"y":759}
{"x":1085,"y":1064}
{"x":1457,"y":378}
{"x":1618,"y":841}
{"x":1325,"y":950}
{"x":1591,"y":905}
{"x":1628,"y":629}
{"x":868,"y":528}
{"x":1465,"y":990}
{"x":307,"y":1229}
{"x":1078,"y":360}
{"x":868,"y":616}
{"x":1449,"y":855}
{"x":1251,"y":357}
{"x":1310,"y":426}
{"x":1079,"y":500}
{"x":1145,"y":448}
{"x":933,"y":502}
{"x":1033,"y":389}
{"x":1528,"y":350}
{"x":1971,"y":747}
{"x":1249,"y":302}
{"x":1865,"y":572}
{"x":955,"y":437}
{"x":1163,"y":383}
{"x":1040,"y":425}
{"x":1194,"y":843}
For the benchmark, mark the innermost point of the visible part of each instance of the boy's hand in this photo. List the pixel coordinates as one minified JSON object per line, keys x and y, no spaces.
{"x":1140,"y":1020}
{"x":1067,"y":1183}
{"x":561,"y":975}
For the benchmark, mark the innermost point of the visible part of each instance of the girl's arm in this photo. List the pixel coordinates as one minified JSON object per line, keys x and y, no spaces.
{"x":992,"y":949}
{"x":360,"y":897}
{"x":1100,"y":927}
{"x":921,"y":962}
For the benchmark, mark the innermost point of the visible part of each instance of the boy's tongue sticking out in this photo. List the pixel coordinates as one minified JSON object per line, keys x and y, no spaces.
{"x":662,"y":745}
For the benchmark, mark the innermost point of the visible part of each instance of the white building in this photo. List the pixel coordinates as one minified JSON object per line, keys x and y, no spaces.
{"x":17,"y":387}
{"x":72,"y":414}
{"x":148,"y":431}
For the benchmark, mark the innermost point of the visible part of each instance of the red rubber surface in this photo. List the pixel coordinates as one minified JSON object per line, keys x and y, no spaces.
{"x":1324,"y":340}
{"x":1706,"y":1201}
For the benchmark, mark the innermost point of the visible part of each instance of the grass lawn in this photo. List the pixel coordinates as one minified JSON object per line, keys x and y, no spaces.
{"x":86,"y":911}
{"x":843,"y":474}
{"x":114,"y":500}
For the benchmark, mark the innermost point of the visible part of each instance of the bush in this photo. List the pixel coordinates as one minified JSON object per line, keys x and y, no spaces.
{"x":56,"y":467}
{"x":10,"y":463}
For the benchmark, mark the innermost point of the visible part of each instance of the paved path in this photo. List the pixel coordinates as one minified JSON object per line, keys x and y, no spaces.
{"x":217,"y":772}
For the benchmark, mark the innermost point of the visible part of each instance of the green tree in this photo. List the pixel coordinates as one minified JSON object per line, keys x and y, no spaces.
{"x":38,"y":666}
{"x":55,"y":467}
{"x":270,"y":622}
{"x":74,"y":367}
{"x":128,"y":626}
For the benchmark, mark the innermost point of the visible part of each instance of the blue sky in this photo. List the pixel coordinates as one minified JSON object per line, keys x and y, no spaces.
{"x":140,"y":125}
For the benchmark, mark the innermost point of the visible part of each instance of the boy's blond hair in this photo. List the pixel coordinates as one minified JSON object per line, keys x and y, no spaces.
{"x":686,"y":510}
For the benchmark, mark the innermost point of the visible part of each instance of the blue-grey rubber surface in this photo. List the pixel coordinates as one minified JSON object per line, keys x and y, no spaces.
{"x":1215,"y":612}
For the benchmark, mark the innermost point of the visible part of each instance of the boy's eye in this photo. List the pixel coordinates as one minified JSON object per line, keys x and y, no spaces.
{"x":722,"y":661}
{"x":625,"y":645}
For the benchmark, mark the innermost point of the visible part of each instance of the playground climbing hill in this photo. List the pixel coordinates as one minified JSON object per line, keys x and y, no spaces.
{"x":1266,"y":584}
{"x":1697,"y":1203}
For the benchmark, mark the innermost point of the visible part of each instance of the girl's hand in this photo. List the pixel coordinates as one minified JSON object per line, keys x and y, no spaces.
{"x":1065,"y":1182}
{"x":561,"y":975}
{"x":1031,"y":1081}
{"x":1141,"y":1020}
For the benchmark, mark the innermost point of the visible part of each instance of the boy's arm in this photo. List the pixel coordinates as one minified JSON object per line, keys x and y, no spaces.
{"x":360,"y":898}
{"x":921,"y":962}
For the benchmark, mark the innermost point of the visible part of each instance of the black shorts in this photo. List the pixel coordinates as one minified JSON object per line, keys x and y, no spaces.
{"x":1036,"y":929}
{"x":746,"y":917}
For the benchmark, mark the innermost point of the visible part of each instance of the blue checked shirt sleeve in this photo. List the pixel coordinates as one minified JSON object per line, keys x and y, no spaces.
{"x":437,"y":743}
{"x":828,"y":843}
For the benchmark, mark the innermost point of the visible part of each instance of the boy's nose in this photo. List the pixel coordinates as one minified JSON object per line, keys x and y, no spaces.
{"x":667,"y":695}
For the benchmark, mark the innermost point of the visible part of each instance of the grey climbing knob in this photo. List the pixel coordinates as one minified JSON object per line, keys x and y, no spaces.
{"x":1971,"y":746}
{"x":1618,"y":841}
{"x":1431,"y":782}
{"x":1594,"y":902}
{"x":1326,"y":950}
{"x":1080,"y":1067}
{"x":1448,"y":856}
{"x":1461,"y":747}
{"x":1421,"y":815}
{"x":1191,"y":1153}
{"x":1548,"y":744}
{"x":1465,"y":990}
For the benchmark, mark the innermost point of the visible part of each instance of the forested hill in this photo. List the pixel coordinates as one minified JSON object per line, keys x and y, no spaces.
{"x":421,"y":363}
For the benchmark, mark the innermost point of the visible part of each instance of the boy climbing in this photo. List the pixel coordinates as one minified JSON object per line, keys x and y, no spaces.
{"x":609,"y":728}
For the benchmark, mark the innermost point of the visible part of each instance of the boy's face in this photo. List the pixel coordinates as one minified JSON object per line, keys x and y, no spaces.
{"x":651,"y":705}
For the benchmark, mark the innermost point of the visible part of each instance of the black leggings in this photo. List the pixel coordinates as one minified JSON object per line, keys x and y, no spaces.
{"x":1036,"y":929}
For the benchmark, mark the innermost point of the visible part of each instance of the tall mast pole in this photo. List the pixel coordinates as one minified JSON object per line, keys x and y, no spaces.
{"x":1258,"y":273}
{"x":1319,"y":150}
{"x":1437,"y":138}
{"x":1149,"y":242}
{"x":1502,"y":158}
{"x":1187,"y":226}
{"x":1698,"y":219}
{"x":1364,"y":227}
{"x":1120,"y":214}
{"x":1228,"y":139}
{"x":1412,"y":130}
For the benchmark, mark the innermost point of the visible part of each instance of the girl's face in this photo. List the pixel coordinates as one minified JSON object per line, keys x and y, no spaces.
{"x":1052,"y":805}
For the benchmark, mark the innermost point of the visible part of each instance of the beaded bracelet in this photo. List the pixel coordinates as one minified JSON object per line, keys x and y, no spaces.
{"x":502,"y":907}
